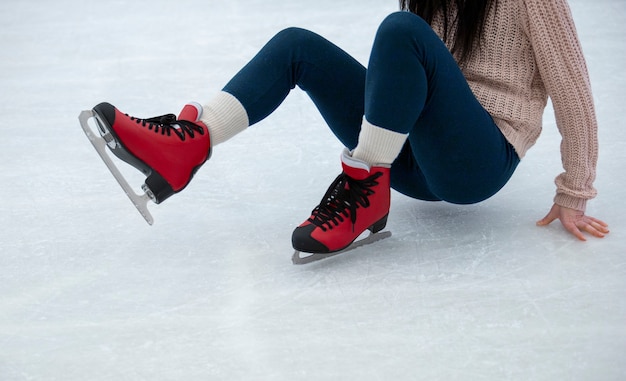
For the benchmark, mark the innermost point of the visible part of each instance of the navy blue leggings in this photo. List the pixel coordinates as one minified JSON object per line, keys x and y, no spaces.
{"x":454,"y":151}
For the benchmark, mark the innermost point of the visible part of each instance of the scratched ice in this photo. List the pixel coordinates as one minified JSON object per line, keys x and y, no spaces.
{"x":88,"y":291}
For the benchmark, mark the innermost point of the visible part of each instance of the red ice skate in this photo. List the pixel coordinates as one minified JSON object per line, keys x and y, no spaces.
{"x":356,"y":201}
{"x":167,"y":149}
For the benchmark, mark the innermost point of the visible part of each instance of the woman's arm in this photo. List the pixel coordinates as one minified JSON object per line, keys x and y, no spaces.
{"x":563,"y":70}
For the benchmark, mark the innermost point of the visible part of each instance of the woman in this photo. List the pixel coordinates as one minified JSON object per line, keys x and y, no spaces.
{"x":452,"y":99}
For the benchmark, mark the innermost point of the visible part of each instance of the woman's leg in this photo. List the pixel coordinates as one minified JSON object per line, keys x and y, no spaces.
{"x":455,"y":152}
{"x":296,"y":57}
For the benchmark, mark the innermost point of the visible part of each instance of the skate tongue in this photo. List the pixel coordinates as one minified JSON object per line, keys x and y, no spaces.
{"x":191,"y":112}
{"x":354,"y":168}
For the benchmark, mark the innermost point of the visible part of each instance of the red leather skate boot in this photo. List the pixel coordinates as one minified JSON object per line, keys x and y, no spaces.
{"x":357,"y":200}
{"x":167,"y":149}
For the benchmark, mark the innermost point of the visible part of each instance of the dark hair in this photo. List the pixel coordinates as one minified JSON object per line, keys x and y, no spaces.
{"x":469,"y":21}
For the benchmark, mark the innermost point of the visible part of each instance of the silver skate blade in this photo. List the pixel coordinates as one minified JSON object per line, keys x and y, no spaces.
{"x":297,"y":259}
{"x":99,"y":143}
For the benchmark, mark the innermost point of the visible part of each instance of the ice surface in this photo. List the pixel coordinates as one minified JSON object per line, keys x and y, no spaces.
{"x":88,"y":291}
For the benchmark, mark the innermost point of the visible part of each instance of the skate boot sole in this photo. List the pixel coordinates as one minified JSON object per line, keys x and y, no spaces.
{"x":303,"y":242}
{"x":303,"y":258}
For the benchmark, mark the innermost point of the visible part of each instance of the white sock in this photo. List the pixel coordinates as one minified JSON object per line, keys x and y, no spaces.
{"x":378,"y":146}
{"x":225,"y":117}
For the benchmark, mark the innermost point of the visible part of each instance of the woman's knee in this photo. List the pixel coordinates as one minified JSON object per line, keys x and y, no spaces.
{"x":402,"y":23}
{"x":295,"y":37}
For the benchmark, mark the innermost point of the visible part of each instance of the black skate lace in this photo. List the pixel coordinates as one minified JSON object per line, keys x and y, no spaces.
{"x":342,"y":199}
{"x":166,"y":124}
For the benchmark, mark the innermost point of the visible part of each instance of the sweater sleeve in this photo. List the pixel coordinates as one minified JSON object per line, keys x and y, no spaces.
{"x":561,"y":64}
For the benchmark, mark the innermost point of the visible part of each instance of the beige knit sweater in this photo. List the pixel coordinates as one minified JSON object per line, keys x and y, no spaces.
{"x":530,"y":50}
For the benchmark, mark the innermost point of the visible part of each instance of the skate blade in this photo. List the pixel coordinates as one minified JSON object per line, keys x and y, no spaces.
{"x":99,"y":143}
{"x":297,"y":259}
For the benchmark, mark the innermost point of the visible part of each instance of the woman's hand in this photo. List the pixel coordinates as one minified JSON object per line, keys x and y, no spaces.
{"x":575,"y":222}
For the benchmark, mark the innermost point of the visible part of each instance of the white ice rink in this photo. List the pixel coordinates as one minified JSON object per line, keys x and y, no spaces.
{"x":89,"y":291}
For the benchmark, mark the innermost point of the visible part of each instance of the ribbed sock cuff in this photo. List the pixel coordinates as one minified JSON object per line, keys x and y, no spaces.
{"x":225,"y":117}
{"x":378,"y":145}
